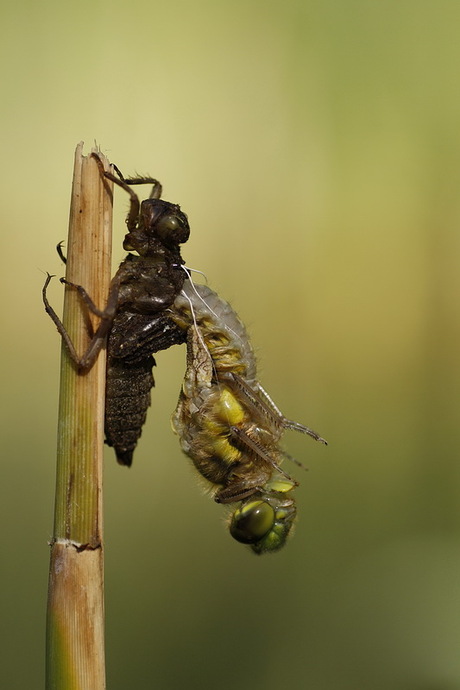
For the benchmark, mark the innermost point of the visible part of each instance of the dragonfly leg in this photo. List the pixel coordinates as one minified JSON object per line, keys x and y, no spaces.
{"x":236,"y":492}
{"x":85,"y":298}
{"x":125,"y":183}
{"x":86,"y":361}
{"x":60,"y":251}
{"x":288,"y":423}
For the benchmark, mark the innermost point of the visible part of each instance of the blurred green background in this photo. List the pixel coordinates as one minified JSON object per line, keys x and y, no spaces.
{"x":315,"y":147}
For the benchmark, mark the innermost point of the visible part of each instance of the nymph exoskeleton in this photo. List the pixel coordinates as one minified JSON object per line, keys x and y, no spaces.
{"x":134,"y":322}
{"x":227,"y":423}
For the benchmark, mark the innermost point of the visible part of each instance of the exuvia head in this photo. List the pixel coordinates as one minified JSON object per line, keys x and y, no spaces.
{"x":154,"y":226}
{"x":160,"y":224}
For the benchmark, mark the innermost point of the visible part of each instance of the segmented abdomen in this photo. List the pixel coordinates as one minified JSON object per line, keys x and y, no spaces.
{"x":127,"y":401}
{"x":133,"y":339}
{"x":223,"y":332}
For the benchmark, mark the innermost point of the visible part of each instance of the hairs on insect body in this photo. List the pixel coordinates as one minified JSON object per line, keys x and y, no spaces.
{"x":188,"y":271}
{"x":218,"y":318}
{"x":257,"y":390}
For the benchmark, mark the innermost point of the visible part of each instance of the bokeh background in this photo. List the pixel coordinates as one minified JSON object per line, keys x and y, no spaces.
{"x":315,"y":146}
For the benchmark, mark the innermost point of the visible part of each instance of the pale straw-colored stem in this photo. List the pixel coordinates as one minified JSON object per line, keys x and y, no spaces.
{"x":75,"y":616}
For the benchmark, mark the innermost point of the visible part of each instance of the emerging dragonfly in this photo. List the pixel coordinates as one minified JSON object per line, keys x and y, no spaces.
{"x":134,"y":319}
{"x":227,"y":423}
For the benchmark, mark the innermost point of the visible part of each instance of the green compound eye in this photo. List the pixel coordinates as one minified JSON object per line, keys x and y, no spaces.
{"x":252,"y":521}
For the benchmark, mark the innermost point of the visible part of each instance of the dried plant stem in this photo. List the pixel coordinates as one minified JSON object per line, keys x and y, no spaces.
{"x":75,"y":616}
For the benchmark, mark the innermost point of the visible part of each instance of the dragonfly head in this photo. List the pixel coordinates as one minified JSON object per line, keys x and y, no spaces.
{"x":265,"y":519}
{"x":160,"y":224}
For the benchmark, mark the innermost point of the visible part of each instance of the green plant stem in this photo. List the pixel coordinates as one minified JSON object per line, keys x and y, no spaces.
{"x":75,"y":614}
